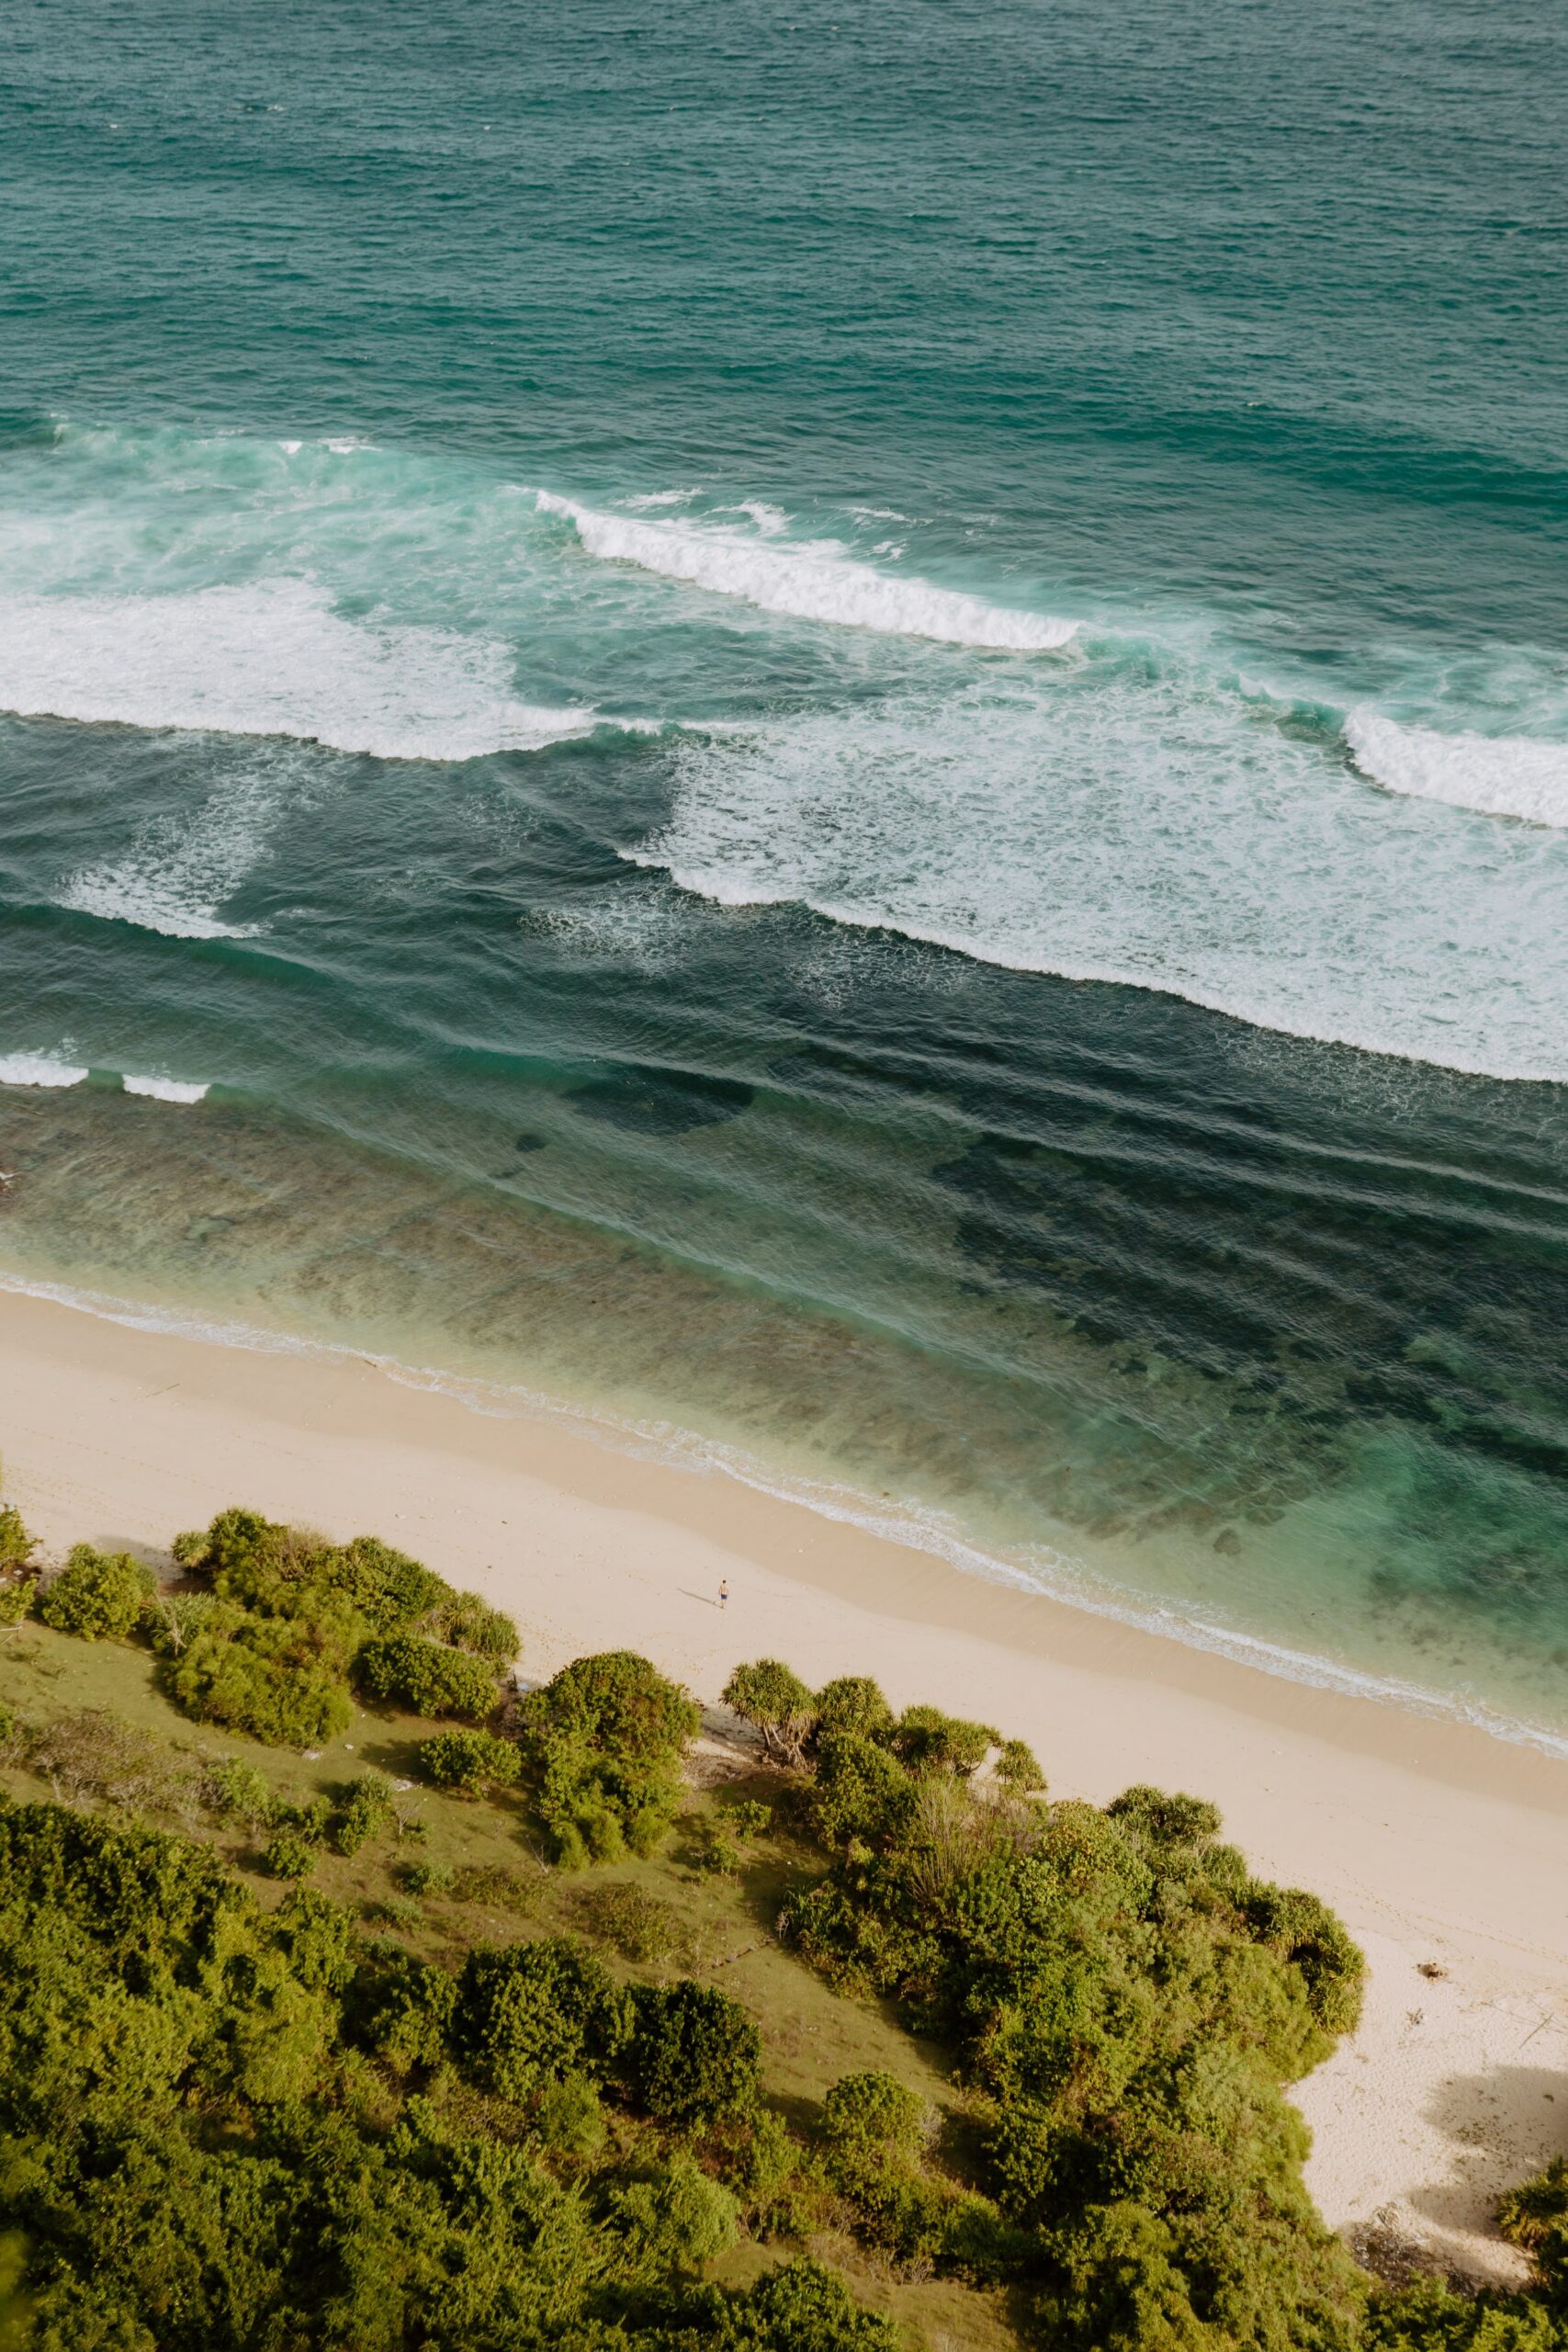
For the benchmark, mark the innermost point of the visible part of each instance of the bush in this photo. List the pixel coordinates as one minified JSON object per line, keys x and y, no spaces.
{"x":773,"y":1697}
{"x":362,"y":1812}
{"x":1535,"y":2216}
{"x":385,"y":1588}
{"x":620,"y":1705}
{"x":862,"y":1791}
{"x":637,"y":1925}
{"x":677,"y":2219}
{"x":98,"y":1596}
{"x":875,"y":2118}
{"x":174,"y":1619}
{"x":531,"y":2013}
{"x":470,"y":1761}
{"x":428,"y":1878}
{"x":488,"y":1883}
{"x":16,"y":1547}
{"x":1018,"y":1769}
{"x":19,"y":1596}
{"x":801,"y":2307}
{"x":427,"y":1677}
{"x":695,"y":2055}
{"x":569,"y":2117}
{"x":402,"y":2009}
{"x":854,"y":1705}
{"x":603,"y":1743}
{"x":289,"y":1856}
{"x":928,"y":1741}
{"x":238,"y":1793}
{"x":249,"y":1674}
{"x":470,"y":1622}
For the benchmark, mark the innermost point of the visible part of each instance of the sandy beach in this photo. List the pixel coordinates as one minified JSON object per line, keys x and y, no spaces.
{"x":1445,"y":1851}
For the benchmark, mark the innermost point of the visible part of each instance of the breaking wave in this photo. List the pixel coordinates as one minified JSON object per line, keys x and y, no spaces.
{"x":1127,"y":828}
{"x":271,"y":658}
{"x":812,"y":580}
{"x":1507,"y":775}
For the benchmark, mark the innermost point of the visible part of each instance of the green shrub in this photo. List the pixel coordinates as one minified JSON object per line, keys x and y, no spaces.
{"x":497,"y":1888}
{"x":289,"y":1855}
{"x":862,"y":1791}
{"x":928,"y":1741}
{"x":362,"y":1812}
{"x":852,"y":1705}
{"x":19,"y":1596}
{"x":16,"y":1547}
{"x":174,"y":1619}
{"x":602,"y":1744}
{"x":390,"y":1591}
{"x":745,"y":1818}
{"x":238,"y":1793}
{"x":620,"y":1705}
{"x":637,"y":1925}
{"x":427,"y":1677}
{"x":802,"y":2307}
{"x":98,"y":1596}
{"x":1535,"y":2216}
{"x":530,"y":2013}
{"x":428,"y":1878}
{"x":772,"y":1697}
{"x":472,"y":1762}
{"x":402,"y":2009}
{"x":254,"y":1675}
{"x":677,"y":2218}
{"x":470,"y":1622}
{"x":695,"y":2055}
{"x":1018,"y":1769}
{"x":875,"y":2118}
{"x":569,"y":2117}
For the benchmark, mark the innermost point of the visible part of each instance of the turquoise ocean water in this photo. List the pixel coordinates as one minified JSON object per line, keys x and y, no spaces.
{"x":845,"y":729}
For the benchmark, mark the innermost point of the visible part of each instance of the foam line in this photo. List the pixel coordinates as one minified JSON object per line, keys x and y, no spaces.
{"x":815,"y":581}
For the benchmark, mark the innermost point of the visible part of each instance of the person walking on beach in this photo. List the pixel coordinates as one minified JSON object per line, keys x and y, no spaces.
{"x":724,"y":1592}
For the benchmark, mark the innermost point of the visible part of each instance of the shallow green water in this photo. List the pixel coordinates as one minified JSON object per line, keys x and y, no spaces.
{"x":850,"y":735}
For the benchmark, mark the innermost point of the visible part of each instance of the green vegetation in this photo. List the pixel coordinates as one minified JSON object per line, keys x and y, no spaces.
{"x":472,"y":1761}
{"x":99,"y":1596}
{"x":604,"y":1743}
{"x":881,"y":2050}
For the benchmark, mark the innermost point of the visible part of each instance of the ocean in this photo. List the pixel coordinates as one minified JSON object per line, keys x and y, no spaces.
{"x":841,"y":733}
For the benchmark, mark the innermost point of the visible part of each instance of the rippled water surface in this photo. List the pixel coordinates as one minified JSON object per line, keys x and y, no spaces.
{"x":849,"y":735}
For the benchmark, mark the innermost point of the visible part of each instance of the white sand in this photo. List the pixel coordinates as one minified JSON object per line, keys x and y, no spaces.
{"x":1434,"y":1843}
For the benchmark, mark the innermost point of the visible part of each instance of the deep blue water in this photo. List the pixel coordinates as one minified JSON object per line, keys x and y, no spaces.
{"x":843,"y":729}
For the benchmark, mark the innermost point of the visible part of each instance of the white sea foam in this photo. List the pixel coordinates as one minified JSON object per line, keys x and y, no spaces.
{"x":273,"y":658}
{"x":1502,"y":776}
{"x":1115,"y":827}
{"x":39,"y":1070}
{"x":815,"y":580}
{"x":177,"y":872}
{"x":165,"y":1089}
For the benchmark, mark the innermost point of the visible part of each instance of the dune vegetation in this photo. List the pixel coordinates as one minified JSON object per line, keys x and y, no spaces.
{"x":354,"y":1997}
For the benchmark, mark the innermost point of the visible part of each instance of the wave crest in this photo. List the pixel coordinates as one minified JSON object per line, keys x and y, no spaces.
{"x":815,"y":581}
{"x":1501,"y":776}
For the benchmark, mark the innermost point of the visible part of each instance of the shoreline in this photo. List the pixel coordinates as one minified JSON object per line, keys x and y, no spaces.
{"x":1437,"y":1842}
